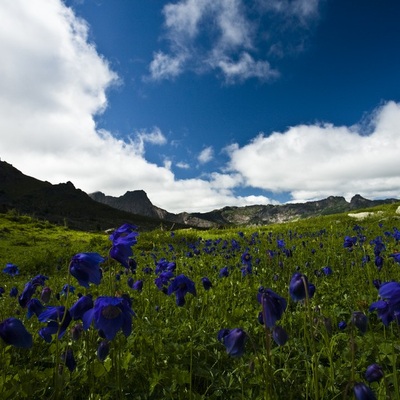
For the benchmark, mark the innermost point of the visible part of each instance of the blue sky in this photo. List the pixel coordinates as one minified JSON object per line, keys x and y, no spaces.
{"x":204,"y":103}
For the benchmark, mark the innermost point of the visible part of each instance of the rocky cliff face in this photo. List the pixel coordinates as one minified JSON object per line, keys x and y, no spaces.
{"x":137,"y":202}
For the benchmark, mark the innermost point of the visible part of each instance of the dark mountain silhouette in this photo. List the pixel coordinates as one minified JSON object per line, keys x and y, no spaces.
{"x":61,"y":204}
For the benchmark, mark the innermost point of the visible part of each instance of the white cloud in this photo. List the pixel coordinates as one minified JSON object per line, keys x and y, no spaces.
{"x":52,"y":84}
{"x":317,"y":161}
{"x":144,"y":136}
{"x":184,"y":17}
{"x":224,"y":36}
{"x":183,"y":165}
{"x":246,"y":67}
{"x":167,"y":163}
{"x":206,"y":155}
{"x":300,"y":9}
{"x":164,"y":66}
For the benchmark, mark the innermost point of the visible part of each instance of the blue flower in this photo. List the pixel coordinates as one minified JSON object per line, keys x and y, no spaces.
{"x":11,"y":269}
{"x":246,"y":258}
{"x":57,"y":322}
{"x":34,"y":307}
{"x":300,"y":288}
{"x":47,"y":332}
{"x":14,"y":333}
{"x":123,"y":239}
{"x":124,"y":231}
{"x":388,"y":307}
{"x":360,"y":321}
{"x":379,"y":245}
{"x":103,"y":349}
{"x":110,"y":314}
{"x":27,"y":293}
{"x":14,"y":292}
{"x":234,"y":341}
{"x":350,"y":241}
{"x":327,"y":271}
{"x":390,"y":291}
{"x":164,"y":265}
{"x":279,"y":335}
{"x":281,"y":243}
{"x":30,"y":289}
{"x":365,"y":259}
{"x":68,"y":358}
{"x":39,"y":280}
{"x":396,"y":234}
{"x":379,"y":262}
{"x":85,"y":267}
{"x":163,"y":279}
{"x":78,"y":309}
{"x":180,"y":286}
{"x":224,"y":272}
{"x":383,"y":310}
{"x":395,"y":256}
{"x":247,"y":270}
{"x":67,"y":289}
{"x":374,"y":373}
{"x":273,"y":306}
{"x":45,"y":295}
{"x":206,"y":283}
{"x":138,"y":285}
{"x":342,"y":325}
{"x":363,"y":392}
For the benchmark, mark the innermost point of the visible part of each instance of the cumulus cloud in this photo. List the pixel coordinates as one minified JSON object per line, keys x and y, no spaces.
{"x":224,"y":36}
{"x":246,"y":67}
{"x":53,"y":82}
{"x":206,"y":155}
{"x":182,"y":165}
{"x":302,"y":10}
{"x":154,"y":136}
{"x":316,"y":161}
{"x":164,"y":66}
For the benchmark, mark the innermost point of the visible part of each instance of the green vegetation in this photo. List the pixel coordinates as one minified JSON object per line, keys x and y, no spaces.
{"x":173,"y":352}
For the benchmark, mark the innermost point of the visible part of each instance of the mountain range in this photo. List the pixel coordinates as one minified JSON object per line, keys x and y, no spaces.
{"x":64,"y":204}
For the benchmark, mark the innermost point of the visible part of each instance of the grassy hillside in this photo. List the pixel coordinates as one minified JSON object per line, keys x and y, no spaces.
{"x":189,"y":350}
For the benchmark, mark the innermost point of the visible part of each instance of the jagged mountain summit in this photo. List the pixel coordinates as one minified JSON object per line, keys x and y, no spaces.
{"x":137,"y":202}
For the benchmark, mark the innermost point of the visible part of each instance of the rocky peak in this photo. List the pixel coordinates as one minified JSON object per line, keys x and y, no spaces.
{"x":135,"y":201}
{"x":358,"y":201}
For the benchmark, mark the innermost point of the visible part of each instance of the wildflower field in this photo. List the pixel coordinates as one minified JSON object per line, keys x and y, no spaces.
{"x":302,"y":310}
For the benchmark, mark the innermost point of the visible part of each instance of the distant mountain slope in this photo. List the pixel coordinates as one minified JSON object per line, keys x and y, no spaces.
{"x":270,"y":214}
{"x":138,"y":202}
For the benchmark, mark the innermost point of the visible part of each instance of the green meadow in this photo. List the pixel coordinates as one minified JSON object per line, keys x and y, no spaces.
{"x":173,"y":351}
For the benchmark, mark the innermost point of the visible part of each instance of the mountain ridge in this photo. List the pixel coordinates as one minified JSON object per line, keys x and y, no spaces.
{"x":64,"y":204}
{"x":61,"y":204}
{"x":245,"y":215}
